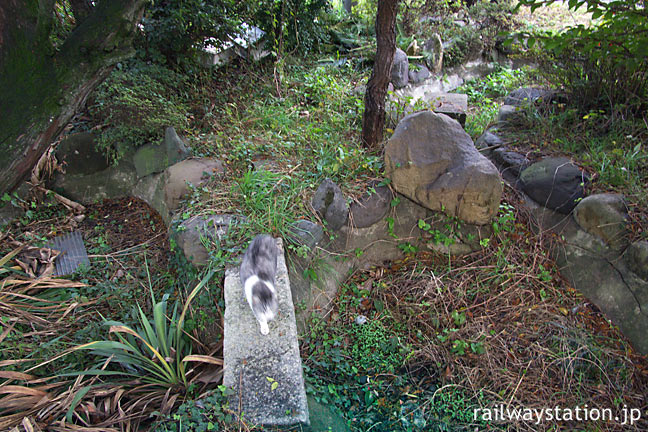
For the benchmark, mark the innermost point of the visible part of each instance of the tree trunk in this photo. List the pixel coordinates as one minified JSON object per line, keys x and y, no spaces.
{"x":42,"y":88}
{"x":373,"y":120}
{"x":81,"y":9}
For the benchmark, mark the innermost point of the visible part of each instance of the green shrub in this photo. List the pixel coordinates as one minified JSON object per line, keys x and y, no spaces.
{"x":603,"y":66}
{"x":291,"y":24}
{"x":135,"y":105}
{"x":173,"y":28}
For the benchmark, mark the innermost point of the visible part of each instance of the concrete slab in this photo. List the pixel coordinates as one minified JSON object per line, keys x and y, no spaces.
{"x":454,"y":105}
{"x":265,"y":372}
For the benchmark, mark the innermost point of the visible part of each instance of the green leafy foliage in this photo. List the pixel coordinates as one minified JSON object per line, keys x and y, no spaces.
{"x":375,"y":349}
{"x":174,"y":28}
{"x":135,"y":105}
{"x":156,"y":351}
{"x":291,"y":24}
{"x":602,"y":65}
{"x":484,"y":93}
{"x":209,"y":413}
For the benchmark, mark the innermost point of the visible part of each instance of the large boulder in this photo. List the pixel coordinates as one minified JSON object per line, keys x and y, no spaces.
{"x":555,"y":183}
{"x":112,"y":182}
{"x":607,"y":278}
{"x":432,"y":160}
{"x":400,"y":69}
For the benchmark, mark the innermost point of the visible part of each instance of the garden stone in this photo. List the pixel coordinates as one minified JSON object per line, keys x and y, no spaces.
{"x":432,"y":160}
{"x":371,"y":207}
{"x":352,"y":248}
{"x":599,"y":272}
{"x":510,"y":163}
{"x":155,"y":158}
{"x":605,"y":216}
{"x":433,"y":53}
{"x":150,"y":189}
{"x":400,"y":69}
{"x":114,"y":182}
{"x":323,"y":418}
{"x":176,"y":149}
{"x":379,"y":243}
{"x":488,"y":140}
{"x":418,"y":74}
{"x":465,"y":238}
{"x":264,"y":371}
{"x":330,"y":204}
{"x":189,"y":233}
{"x":636,"y":256}
{"x":9,"y":213}
{"x":307,"y":233}
{"x":150,"y":159}
{"x":80,"y":155}
{"x":527,"y":95}
{"x":593,"y":269}
{"x":454,"y":105}
{"x":555,"y":183}
{"x":196,"y":172}
{"x":508,"y":113}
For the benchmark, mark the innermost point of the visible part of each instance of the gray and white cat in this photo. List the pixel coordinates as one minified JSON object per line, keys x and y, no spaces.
{"x":258,"y":270}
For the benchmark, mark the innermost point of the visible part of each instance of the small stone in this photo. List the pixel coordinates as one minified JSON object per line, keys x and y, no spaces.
{"x":509,"y":161}
{"x":605,"y":216}
{"x":307,"y":233}
{"x":361,"y":319}
{"x":636,"y":257}
{"x":371,"y":207}
{"x":330,"y":204}
{"x":527,"y":96}
{"x":488,"y":140}
{"x":508,"y":113}
{"x":419,"y":74}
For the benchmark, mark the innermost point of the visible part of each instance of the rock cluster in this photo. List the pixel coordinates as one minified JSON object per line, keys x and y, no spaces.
{"x":594,"y":253}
